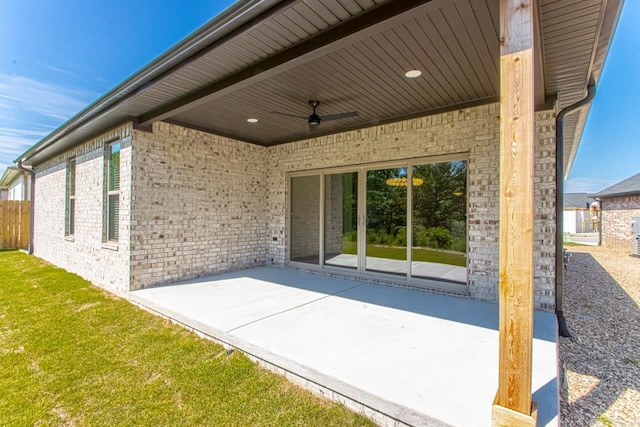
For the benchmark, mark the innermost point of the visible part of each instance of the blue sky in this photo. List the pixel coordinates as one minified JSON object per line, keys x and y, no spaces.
{"x":58,"y":56}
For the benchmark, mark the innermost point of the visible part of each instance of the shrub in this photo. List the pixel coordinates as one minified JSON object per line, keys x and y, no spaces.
{"x":350,"y":236}
{"x":438,"y":237}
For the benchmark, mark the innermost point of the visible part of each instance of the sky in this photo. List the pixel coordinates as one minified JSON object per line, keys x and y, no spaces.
{"x":58,"y":56}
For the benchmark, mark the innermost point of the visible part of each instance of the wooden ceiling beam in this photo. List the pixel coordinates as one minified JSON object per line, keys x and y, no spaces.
{"x":361,"y":26}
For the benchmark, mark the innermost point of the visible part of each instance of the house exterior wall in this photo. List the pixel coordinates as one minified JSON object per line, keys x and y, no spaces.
{"x":577,"y":221}
{"x":473,"y":132}
{"x":616,"y":221}
{"x":85,"y":253}
{"x":20,"y":188}
{"x":198,"y":207}
{"x":17,"y":189}
{"x":195,"y":204}
{"x":569,"y":220}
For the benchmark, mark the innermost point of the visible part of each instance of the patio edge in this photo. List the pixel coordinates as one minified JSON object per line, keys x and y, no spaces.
{"x":380,"y":411}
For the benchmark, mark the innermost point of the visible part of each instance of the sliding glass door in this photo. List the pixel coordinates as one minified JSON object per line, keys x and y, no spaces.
{"x":386,"y":212}
{"x":304,"y":243}
{"x":439,"y":221}
{"x":341,"y":220}
{"x":404,"y":220}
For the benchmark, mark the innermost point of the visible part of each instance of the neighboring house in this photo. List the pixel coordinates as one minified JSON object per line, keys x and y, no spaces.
{"x":4,"y":194}
{"x":619,"y":204}
{"x":578,"y":213}
{"x":16,"y":183}
{"x":210,"y":159}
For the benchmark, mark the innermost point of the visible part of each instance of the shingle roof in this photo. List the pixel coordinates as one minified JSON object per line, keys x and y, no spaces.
{"x":576,"y":200}
{"x":625,"y":187}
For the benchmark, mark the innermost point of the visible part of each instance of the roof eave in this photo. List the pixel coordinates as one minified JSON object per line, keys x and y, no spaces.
{"x":610,"y":195}
{"x":9,"y":176}
{"x":234,"y":16}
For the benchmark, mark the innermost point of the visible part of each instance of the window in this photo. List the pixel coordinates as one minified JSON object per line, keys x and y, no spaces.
{"x":70,"y":212}
{"x":113,"y":191}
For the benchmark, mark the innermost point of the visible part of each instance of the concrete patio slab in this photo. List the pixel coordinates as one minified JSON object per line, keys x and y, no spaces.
{"x":416,"y":357}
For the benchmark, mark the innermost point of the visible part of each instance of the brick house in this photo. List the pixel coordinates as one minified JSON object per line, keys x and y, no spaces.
{"x":619,"y":203}
{"x":210,"y":159}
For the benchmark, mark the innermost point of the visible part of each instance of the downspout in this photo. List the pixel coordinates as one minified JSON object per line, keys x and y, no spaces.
{"x":563,"y":330}
{"x":601,"y":202}
{"x":33,"y":199}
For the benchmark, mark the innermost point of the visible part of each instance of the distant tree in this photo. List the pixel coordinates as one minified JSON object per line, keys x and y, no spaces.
{"x":386,"y":205}
{"x":441,"y":199}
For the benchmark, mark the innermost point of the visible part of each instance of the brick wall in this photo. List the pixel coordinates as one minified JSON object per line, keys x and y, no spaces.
{"x":104,"y":264}
{"x":473,"y":132}
{"x":204,"y":204}
{"x":198,"y":205}
{"x":616,"y":221}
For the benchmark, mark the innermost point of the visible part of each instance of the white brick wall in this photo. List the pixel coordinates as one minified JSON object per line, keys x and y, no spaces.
{"x":198,"y":205}
{"x":105,"y":265}
{"x":204,"y":204}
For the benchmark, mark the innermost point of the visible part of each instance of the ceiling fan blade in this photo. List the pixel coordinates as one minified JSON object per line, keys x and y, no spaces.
{"x":288,"y":115}
{"x":338,"y":116}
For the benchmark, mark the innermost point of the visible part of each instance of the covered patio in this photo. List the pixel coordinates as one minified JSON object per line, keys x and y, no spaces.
{"x":400,"y":356}
{"x":287,"y":133}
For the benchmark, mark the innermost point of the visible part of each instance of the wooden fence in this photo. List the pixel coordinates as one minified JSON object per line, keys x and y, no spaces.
{"x":15,"y":216}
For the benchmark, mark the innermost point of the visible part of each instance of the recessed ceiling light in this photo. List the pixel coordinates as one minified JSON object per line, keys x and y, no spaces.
{"x":412,"y":74}
{"x":252,"y":120}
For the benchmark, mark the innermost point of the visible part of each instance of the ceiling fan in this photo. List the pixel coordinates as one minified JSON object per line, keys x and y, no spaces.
{"x":314,"y":119}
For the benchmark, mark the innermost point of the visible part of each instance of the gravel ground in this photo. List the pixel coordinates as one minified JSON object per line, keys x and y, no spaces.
{"x":601,"y":383}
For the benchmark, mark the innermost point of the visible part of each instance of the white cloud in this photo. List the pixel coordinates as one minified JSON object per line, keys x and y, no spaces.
{"x":30,"y":109}
{"x":587,"y":184}
{"x":58,"y":70}
{"x":14,"y":142}
{"x":45,"y":99}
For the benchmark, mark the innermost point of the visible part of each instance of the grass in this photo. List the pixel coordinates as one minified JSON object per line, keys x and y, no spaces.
{"x":419,"y":254}
{"x":604,"y":420}
{"x":72,"y":354}
{"x":573,"y":244}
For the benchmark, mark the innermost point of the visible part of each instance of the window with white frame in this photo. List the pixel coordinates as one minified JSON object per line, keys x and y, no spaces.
{"x":70,"y":211}
{"x":112,"y":165}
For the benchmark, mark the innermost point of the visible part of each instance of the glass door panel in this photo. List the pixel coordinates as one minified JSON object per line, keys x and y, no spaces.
{"x":305,"y":219}
{"x":386,"y":232}
{"x":439,"y":224}
{"x":341,"y":220}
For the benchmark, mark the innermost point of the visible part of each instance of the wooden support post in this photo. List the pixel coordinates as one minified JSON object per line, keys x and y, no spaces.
{"x":513,"y":405}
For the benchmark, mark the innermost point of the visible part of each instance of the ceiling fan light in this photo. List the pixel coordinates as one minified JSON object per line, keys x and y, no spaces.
{"x":314,"y":120}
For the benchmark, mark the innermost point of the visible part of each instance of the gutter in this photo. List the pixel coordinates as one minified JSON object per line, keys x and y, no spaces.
{"x":563,"y":330}
{"x":242,"y":12}
{"x":33,"y":199}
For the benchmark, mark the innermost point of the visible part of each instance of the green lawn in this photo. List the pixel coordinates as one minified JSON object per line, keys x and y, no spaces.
{"x":72,"y":354}
{"x":419,"y":254}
